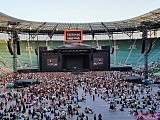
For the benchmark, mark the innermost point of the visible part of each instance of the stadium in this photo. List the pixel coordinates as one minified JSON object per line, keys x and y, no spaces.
{"x":131,"y":46}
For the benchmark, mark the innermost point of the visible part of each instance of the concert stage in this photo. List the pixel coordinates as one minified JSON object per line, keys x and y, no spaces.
{"x":75,"y":57}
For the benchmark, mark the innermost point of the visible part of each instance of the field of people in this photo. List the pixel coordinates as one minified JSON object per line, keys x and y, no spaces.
{"x":96,"y":95}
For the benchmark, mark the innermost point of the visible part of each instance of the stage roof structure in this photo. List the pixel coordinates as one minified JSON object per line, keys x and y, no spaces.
{"x":52,"y":28}
{"x":76,"y":46}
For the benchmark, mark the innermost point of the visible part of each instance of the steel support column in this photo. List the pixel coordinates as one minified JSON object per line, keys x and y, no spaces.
{"x":144,"y":37}
{"x":14,"y":38}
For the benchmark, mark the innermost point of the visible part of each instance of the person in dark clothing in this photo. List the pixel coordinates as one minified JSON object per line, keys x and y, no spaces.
{"x":100,"y":117}
{"x":33,"y":113}
{"x":94,"y":116}
{"x":14,"y":116}
{"x":93,"y":98}
{"x":41,"y":115}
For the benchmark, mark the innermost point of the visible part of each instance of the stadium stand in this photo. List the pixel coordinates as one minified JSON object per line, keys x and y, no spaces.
{"x":5,"y":56}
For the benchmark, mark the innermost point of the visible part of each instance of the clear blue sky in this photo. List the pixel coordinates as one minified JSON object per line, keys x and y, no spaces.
{"x":77,"y":11}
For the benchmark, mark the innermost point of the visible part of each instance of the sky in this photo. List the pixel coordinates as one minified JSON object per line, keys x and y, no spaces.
{"x":77,"y":11}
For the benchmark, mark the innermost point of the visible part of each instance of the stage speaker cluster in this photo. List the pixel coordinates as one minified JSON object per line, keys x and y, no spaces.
{"x":16,"y":42}
{"x":9,"y":46}
{"x":143,"y":46}
{"x":18,"y":48}
{"x":112,"y":50}
{"x":36,"y":51}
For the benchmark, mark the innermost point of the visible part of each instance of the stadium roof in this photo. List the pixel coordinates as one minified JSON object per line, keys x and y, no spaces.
{"x":151,"y":20}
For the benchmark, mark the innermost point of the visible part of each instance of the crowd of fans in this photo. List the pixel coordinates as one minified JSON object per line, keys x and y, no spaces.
{"x":153,"y":70}
{"x":57,"y":97}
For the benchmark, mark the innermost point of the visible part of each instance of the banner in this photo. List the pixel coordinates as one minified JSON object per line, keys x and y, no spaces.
{"x":72,"y":35}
